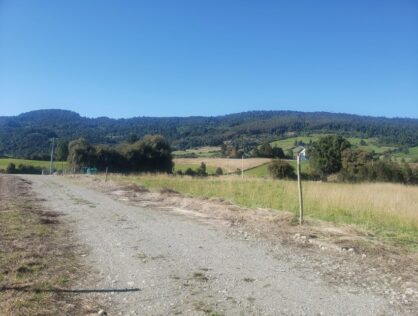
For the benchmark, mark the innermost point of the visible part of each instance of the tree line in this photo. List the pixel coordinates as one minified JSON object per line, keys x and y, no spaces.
{"x":29,"y":135}
{"x":150,"y":154}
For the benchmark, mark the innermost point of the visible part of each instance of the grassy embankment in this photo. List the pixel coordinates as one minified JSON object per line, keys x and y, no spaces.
{"x":388,"y":210}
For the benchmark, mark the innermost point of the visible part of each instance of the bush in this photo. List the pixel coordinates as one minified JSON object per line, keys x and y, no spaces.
{"x":219,"y":171}
{"x":280,"y":169}
{"x":11,"y":168}
{"x":201,"y":171}
{"x":22,"y":169}
{"x":190,"y":172}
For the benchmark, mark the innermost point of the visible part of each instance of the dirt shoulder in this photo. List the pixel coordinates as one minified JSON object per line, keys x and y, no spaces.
{"x":38,"y":257}
{"x":178,"y":255}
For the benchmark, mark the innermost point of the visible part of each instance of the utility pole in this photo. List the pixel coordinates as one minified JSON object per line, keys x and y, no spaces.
{"x":52,"y":156}
{"x":300,"y":191}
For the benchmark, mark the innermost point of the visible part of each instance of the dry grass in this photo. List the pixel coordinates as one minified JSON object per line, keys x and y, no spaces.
{"x":229,"y":165}
{"x":388,"y":210}
{"x":36,"y":257}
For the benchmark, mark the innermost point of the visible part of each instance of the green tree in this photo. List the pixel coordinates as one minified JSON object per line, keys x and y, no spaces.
{"x":265,"y":151}
{"x":277,"y":152}
{"x":151,"y":154}
{"x":81,"y":154}
{"x":108,"y":157}
{"x":325,"y":154}
{"x":61,"y":151}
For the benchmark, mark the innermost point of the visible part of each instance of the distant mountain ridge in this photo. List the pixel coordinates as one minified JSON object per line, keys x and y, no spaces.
{"x":28,"y":134}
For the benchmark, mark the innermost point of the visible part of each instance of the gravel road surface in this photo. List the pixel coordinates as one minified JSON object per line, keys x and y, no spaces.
{"x":173,"y":263}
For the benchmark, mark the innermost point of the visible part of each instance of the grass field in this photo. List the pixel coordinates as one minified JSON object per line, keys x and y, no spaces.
{"x":184,"y":167}
{"x":227,"y":165}
{"x":411,"y":155}
{"x":36,"y":163}
{"x":371,"y":143}
{"x":289,"y":143}
{"x":388,"y":210}
{"x":207,"y":151}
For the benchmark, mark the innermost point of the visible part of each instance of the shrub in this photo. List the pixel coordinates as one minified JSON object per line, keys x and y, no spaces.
{"x":201,"y":171}
{"x":11,"y":168}
{"x":280,"y":169}
{"x":219,"y":171}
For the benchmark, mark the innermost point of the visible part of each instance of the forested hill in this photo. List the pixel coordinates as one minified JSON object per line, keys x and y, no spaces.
{"x":28,"y":134}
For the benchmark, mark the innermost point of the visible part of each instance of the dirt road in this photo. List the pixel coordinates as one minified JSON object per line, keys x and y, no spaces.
{"x":173,"y":262}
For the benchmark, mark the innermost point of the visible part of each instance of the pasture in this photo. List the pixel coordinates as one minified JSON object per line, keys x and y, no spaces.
{"x":207,"y":151}
{"x":36,"y":163}
{"x":371,"y":144}
{"x":228,"y":165}
{"x":412,"y":154}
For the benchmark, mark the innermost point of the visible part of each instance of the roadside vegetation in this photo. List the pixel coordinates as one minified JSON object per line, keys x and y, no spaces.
{"x":26,"y":166}
{"x":37,"y":260}
{"x":390,"y":211}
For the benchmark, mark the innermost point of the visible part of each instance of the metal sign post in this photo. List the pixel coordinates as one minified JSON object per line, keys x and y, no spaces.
{"x":300,"y":191}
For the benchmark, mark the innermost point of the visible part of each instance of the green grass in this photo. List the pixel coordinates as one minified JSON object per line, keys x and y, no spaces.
{"x":259,"y":171}
{"x":388,"y":210}
{"x":288,"y":143}
{"x":36,"y":163}
{"x":411,"y":155}
{"x":371,"y":143}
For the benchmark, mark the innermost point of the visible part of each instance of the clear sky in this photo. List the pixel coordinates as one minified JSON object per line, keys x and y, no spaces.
{"x":209,"y":57}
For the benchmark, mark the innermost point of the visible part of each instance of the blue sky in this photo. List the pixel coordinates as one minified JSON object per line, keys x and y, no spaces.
{"x":181,"y":58}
